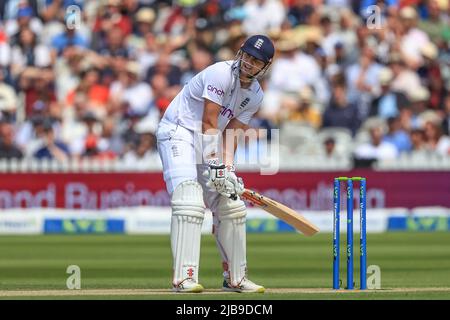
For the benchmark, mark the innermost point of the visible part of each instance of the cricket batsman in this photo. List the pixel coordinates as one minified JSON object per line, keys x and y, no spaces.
{"x":222,"y":97}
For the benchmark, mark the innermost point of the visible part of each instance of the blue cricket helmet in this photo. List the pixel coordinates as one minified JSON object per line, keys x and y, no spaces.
{"x":260,"y":47}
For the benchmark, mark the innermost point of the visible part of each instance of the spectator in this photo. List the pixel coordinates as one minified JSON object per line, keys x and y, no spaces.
{"x":8,"y":98}
{"x":346,"y":31}
{"x":330,"y":35}
{"x":136,"y":42}
{"x":8,"y":149}
{"x":446,"y":121}
{"x":144,"y":153}
{"x":110,"y":18}
{"x":74,"y":128}
{"x":5,"y":51}
{"x":165,"y":68}
{"x":431,"y":76}
{"x":436,"y":141}
{"x":30,"y":133}
{"x":262,"y":16}
{"x":130,"y":92}
{"x":385,"y":38}
{"x":90,"y":85}
{"x":397,"y":136}
{"x":419,"y":100}
{"x":110,"y":142}
{"x":340,"y":112}
{"x":313,"y":40}
{"x":300,"y":13}
{"x":329,"y":150}
{"x":434,"y":24}
{"x":405,"y":80}
{"x":38,"y":87}
{"x":302,"y":110}
{"x":412,"y":39}
{"x":160,"y":89}
{"x":377,"y":148}
{"x":389,"y":102}
{"x":362,"y":81}
{"x":392,"y":6}
{"x":340,"y":58}
{"x":292,"y":71}
{"x":67,"y":69}
{"x":113,"y":48}
{"x":25,"y":19}
{"x":28,"y":53}
{"x":51,"y":9}
{"x":148,"y":55}
{"x":418,"y":145}
{"x":69,"y":37}
{"x":144,"y":150}
{"x":200,"y":59}
{"x":129,"y":132}
{"x":89,"y":137}
{"x":97,"y":148}
{"x":51,"y":147}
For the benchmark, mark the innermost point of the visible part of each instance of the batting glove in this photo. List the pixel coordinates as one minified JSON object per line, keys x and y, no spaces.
{"x":217,"y":179}
{"x":236,"y":182}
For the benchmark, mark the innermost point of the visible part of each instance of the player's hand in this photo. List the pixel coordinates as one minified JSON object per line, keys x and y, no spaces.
{"x":216,"y":175}
{"x":224,"y":180}
{"x":237,"y":182}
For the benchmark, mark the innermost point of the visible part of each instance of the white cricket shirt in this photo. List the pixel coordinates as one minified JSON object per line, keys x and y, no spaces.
{"x":220,"y":84}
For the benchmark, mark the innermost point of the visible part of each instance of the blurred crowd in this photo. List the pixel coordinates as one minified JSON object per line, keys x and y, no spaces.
{"x":91,"y":79}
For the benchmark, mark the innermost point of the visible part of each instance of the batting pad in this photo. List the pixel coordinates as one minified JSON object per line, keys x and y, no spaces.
{"x":188,"y":210}
{"x":231,"y":237}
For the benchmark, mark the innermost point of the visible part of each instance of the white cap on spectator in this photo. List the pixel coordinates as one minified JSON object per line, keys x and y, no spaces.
{"x":408,"y":12}
{"x":313,"y":35}
{"x":133,"y":67}
{"x":430,"y":116}
{"x":420,"y":94}
{"x":113,"y":2}
{"x":287,"y":45}
{"x":146,"y":15}
{"x":288,"y":41}
{"x":429,"y":51}
{"x":443,"y":4}
{"x":8,"y":98}
{"x":386,"y":75}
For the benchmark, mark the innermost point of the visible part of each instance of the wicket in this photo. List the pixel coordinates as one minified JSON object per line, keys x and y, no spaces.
{"x":336,"y":231}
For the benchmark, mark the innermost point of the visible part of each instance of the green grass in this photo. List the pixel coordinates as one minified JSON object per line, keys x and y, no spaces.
{"x":407,"y":260}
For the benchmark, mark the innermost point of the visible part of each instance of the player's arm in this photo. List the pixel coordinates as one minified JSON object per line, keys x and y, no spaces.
{"x":230,"y":139}
{"x":210,"y":117}
{"x":217,"y":175}
{"x":209,"y":129}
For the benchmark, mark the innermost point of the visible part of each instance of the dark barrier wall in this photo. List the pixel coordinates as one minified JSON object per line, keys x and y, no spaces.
{"x":299,"y":190}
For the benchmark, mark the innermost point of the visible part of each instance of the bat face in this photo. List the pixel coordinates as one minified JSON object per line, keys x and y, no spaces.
{"x":281,"y":211}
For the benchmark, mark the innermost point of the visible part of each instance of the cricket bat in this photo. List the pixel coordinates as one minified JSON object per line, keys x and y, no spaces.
{"x":280,"y":211}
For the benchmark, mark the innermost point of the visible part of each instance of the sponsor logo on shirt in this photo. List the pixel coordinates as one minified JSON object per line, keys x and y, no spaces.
{"x":226,"y":112}
{"x":215,"y":90}
{"x":175,"y":151}
{"x":244,"y":103}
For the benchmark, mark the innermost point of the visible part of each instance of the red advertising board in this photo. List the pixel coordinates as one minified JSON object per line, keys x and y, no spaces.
{"x":299,"y":190}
